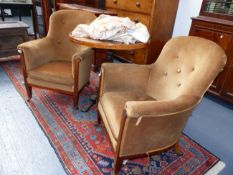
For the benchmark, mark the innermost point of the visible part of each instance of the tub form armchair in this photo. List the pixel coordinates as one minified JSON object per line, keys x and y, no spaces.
{"x":54,"y":62}
{"x":144,"y":108}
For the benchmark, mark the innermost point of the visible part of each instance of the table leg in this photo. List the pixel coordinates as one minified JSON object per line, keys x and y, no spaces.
{"x":2,"y":14}
{"x":19,"y":13}
{"x":93,"y":100}
{"x":110,"y":55}
{"x":33,"y":14}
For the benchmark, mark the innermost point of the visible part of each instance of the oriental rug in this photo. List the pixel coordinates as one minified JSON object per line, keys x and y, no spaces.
{"x":84,"y":148}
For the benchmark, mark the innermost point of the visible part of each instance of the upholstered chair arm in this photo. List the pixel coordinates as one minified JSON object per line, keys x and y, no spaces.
{"x":83,"y":56}
{"x":81,"y":65}
{"x":123,"y":76}
{"x":150,"y":124}
{"x":158,"y":108}
{"x":36,"y":52}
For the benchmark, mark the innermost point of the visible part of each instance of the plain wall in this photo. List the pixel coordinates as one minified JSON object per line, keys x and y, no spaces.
{"x":186,"y":10}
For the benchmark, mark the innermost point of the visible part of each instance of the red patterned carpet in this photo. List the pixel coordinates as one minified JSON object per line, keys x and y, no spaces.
{"x":85,"y":149}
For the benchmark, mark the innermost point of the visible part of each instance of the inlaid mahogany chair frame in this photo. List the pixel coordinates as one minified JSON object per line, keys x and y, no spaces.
{"x":29,"y":86}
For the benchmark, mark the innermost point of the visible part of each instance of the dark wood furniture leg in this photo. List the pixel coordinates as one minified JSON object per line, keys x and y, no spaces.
{"x":19,"y":13}
{"x":119,"y":160}
{"x":27,"y":86}
{"x":2,"y":14}
{"x":98,"y":118}
{"x":177,"y":149}
{"x":76,"y":93}
{"x":34,"y":21}
{"x":29,"y":91}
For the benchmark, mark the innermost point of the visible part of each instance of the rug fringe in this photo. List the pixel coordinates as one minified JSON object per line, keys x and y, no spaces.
{"x":216,"y":168}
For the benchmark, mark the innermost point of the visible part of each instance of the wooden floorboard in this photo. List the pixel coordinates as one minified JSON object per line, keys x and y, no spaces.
{"x":24,"y":148}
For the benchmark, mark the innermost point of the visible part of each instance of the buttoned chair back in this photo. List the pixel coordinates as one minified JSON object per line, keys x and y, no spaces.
{"x":186,"y":65}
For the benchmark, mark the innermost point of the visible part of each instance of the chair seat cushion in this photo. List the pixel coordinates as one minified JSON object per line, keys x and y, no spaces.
{"x":56,"y":72}
{"x":113,"y":104}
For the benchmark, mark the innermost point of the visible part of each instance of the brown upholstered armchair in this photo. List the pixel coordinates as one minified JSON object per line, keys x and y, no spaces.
{"x":54,"y":62}
{"x":145,"y":107}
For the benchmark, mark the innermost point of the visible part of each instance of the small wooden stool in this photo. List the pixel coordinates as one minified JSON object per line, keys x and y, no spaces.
{"x":12,"y":34}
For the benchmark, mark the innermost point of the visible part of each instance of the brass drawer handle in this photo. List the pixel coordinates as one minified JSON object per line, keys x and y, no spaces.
{"x":114,"y":1}
{"x":138,"y":4}
{"x":221,"y":36}
{"x":136,"y":20}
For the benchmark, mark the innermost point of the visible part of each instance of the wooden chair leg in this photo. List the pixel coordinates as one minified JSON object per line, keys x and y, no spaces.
{"x":98,"y":117}
{"x":117,"y":165}
{"x":177,"y":149}
{"x":29,"y":92}
{"x":75,"y":99}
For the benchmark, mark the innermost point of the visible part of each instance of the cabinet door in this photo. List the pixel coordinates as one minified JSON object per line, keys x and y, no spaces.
{"x":228,"y":84}
{"x":225,"y":41}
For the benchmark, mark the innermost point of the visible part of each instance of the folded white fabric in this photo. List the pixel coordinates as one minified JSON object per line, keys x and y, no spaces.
{"x":114,"y":28}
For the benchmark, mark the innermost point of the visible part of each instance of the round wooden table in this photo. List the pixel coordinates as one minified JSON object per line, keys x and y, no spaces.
{"x":109,"y":45}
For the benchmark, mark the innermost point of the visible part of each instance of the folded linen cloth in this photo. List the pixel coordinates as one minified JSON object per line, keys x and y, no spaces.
{"x":113,"y":28}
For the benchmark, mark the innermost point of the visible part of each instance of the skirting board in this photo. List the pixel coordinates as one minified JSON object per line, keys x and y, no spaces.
{"x":216,"y":168}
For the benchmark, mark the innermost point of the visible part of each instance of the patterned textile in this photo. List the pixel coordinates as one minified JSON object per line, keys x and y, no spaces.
{"x":85,"y":149}
{"x":113,"y":28}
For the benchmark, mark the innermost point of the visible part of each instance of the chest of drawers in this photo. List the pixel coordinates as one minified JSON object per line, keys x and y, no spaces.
{"x":158,"y":16}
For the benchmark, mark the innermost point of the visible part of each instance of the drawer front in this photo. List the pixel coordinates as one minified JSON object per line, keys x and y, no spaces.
{"x":144,"y":19}
{"x":142,"y":6}
{"x":135,"y":56}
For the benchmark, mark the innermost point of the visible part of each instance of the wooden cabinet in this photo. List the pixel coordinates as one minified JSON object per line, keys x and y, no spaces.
{"x":217,"y":25}
{"x":227,"y":92}
{"x":12,"y":34}
{"x":158,"y":16}
{"x":44,"y":8}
